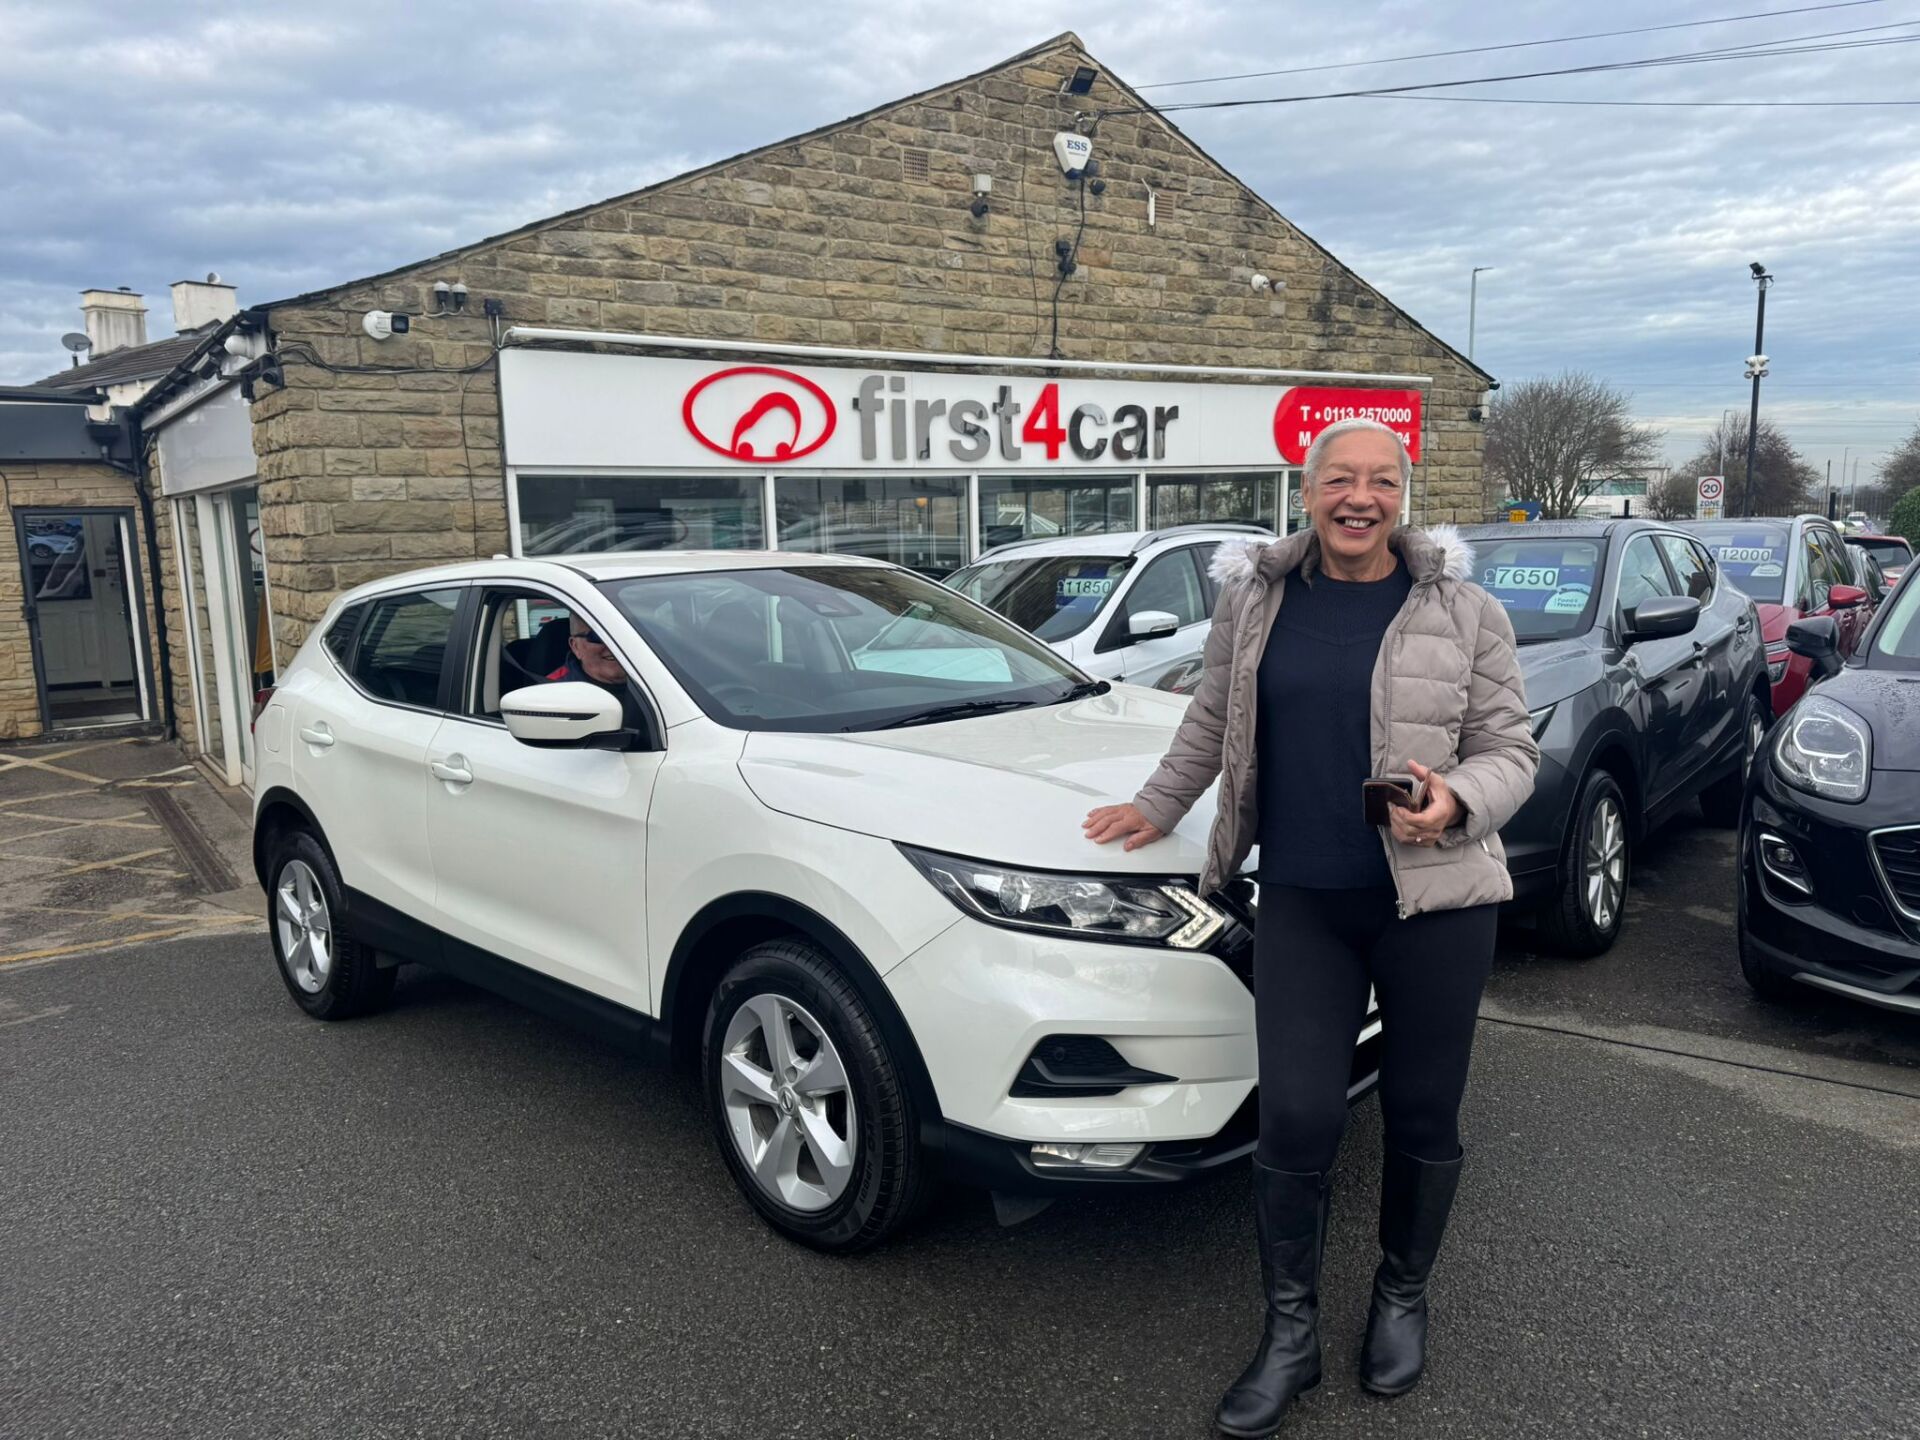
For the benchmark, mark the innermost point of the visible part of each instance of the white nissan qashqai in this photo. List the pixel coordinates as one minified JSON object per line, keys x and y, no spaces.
{"x":808,"y":823}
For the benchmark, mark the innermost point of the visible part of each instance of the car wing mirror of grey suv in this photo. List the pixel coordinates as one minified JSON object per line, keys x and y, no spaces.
{"x":1662,"y":618}
{"x":1817,"y":638}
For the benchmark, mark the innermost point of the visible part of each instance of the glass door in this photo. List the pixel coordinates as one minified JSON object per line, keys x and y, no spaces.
{"x":77,"y":569}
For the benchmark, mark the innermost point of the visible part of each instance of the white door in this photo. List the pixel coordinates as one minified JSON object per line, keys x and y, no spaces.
{"x":360,"y":745}
{"x":539,"y":855}
{"x":1170,"y":583}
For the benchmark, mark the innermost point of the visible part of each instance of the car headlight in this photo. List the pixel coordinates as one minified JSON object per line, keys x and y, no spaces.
{"x":1825,"y":749}
{"x":1093,"y":907}
{"x":1541,"y":718}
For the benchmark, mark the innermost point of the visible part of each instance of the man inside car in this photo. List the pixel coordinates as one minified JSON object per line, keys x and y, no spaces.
{"x":590,"y":659}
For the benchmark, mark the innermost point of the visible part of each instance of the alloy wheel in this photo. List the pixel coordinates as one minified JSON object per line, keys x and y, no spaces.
{"x":1606,"y":868}
{"x":789,"y":1107}
{"x":306,"y":927}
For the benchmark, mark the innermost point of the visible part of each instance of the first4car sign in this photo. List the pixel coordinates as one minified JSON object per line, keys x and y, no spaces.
{"x":568,"y":408}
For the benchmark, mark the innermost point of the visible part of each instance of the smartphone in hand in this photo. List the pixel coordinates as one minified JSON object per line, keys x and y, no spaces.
{"x":1381,"y":795}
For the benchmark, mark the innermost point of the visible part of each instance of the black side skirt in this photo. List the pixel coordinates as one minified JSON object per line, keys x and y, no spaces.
{"x":385,"y":928}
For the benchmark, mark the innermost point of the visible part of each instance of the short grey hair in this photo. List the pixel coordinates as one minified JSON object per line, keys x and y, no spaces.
{"x":1317,"y":452}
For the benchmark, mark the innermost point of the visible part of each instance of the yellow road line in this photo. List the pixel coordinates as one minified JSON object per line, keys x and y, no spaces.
{"x":89,"y":945}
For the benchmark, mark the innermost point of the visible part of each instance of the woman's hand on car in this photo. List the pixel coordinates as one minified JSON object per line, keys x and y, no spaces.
{"x":1111,"y":822}
{"x":1439,"y":813}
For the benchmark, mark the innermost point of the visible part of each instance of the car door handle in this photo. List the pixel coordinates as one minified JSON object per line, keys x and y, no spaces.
{"x":453,"y":770}
{"x":318,"y":735}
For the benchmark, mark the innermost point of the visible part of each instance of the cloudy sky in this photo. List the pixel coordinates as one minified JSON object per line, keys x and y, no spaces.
{"x":293,"y":146}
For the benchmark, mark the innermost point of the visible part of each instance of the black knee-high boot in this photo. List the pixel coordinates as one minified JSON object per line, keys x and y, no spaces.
{"x":1415,"y":1199}
{"x":1290,"y":1214}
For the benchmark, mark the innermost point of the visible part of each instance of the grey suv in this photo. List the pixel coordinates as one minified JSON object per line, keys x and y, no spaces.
{"x":1647,"y":680}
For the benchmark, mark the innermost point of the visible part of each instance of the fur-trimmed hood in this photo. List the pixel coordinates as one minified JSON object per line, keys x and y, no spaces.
{"x":1437,"y":553}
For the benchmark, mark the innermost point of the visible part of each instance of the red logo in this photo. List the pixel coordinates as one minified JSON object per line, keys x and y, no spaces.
{"x":757,"y":413}
{"x":1306,"y":410}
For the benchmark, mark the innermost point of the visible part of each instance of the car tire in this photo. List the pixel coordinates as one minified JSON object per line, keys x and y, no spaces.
{"x":1720,"y":801}
{"x":1584,"y":921}
{"x":330,"y":974}
{"x":838,"y":1167}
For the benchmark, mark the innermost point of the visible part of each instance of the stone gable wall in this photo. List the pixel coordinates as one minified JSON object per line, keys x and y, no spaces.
{"x":858,"y":237}
{"x":63,"y":486}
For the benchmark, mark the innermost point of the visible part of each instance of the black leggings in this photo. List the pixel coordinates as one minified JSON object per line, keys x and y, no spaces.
{"x":1315,"y":953}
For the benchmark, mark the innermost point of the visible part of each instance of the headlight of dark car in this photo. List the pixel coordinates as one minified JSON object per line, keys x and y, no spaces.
{"x":1092,"y":907}
{"x":1825,"y":749}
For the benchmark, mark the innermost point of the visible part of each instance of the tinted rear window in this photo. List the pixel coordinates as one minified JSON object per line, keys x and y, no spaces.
{"x":1753,"y":556}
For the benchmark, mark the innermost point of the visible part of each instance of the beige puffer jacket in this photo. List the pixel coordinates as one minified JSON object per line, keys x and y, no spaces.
{"x":1446,"y":692}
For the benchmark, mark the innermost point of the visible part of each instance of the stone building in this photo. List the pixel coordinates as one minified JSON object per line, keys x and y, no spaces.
{"x":916,"y":333}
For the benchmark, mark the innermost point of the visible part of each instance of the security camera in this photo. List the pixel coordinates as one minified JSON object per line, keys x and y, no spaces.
{"x":380,"y":324}
{"x":1757,"y":362}
{"x":1261,"y":282}
{"x":1757,"y":268}
{"x":982,"y":189}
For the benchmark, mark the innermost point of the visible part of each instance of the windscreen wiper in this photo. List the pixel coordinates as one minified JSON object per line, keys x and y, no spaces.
{"x":959,"y":710}
{"x":1086,"y":690}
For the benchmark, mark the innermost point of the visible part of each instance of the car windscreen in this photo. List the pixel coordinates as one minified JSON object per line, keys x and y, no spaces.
{"x":1751,"y":554}
{"x":1892,"y":554}
{"x":1548,"y":587}
{"x":824,"y":648}
{"x":1054,"y":596}
{"x":1897,"y":644}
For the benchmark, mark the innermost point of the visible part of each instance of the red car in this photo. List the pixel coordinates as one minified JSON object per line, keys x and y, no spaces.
{"x":1792,"y":568}
{"x":1893,"y":553}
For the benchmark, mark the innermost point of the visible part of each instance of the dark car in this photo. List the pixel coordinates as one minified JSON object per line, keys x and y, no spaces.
{"x":1648,"y":686}
{"x":1893,"y":553}
{"x":1830,"y":825}
{"x":1793,"y":567}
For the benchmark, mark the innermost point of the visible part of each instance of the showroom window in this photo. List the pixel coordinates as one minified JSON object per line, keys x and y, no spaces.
{"x":1036,"y":507}
{"x":570,"y":514}
{"x":919,"y":521}
{"x":1246,"y":496}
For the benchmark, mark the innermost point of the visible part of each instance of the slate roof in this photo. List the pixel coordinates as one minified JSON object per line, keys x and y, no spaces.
{"x":132,"y":362}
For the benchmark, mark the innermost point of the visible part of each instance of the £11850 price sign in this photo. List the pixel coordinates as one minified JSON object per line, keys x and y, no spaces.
{"x":1306,"y":410}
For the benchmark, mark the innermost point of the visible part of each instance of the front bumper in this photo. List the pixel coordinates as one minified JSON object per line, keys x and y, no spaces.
{"x":1850,"y":936}
{"x":979,"y":998}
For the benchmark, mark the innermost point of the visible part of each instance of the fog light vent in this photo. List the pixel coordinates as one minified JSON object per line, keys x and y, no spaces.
{"x":1079,"y":1065}
{"x":1782,"y":862}
{"x":1082,"y":1155}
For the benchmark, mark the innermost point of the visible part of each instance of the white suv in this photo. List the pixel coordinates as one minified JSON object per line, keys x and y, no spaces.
{"x":823,"y":843}
{"x":1130,"y":606}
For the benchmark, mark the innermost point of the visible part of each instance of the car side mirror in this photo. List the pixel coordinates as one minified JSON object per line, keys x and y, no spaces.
{"x":1817,"y":638}
{"x":1151,"y":624}
{"x":565,"y":715}
{"x":1662,"y":618}
{"x":1846,"y":597}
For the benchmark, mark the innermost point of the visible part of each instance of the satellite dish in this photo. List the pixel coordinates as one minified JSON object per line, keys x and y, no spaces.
{"x":76,"y":342}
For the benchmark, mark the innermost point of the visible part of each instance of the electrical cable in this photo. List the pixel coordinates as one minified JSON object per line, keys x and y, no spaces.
{"x":304,"y":354}
{"x":1761,"y":51}
{"x":1512,"y":45}
{"x":1067,"y":263}
{"x":1648,"y":104}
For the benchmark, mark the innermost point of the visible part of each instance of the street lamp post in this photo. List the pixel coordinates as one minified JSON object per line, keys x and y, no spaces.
{"x":1473,"y":303}
{"x":1756,"y":371}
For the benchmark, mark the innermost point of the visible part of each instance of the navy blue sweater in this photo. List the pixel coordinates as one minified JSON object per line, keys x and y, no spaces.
{"x":1313,"y":744}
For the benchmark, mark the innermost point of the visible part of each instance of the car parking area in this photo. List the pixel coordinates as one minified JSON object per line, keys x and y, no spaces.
{"x":1687,"y":1213}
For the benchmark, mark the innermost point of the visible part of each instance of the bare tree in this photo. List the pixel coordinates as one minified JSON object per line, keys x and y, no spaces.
{"x":1899,"y":472}
{"x":1674,"y":498}
{"x":1783,"y":482}
{"x":1555,"y":441}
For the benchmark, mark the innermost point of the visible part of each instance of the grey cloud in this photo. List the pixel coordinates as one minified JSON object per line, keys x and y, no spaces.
{"x":292,"y":148}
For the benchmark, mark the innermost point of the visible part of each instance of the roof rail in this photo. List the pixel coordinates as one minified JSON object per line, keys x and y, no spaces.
{"x":1167,"y":532}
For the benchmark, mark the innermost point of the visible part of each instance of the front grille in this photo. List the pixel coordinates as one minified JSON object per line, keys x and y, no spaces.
{"x":1899,"y":854}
